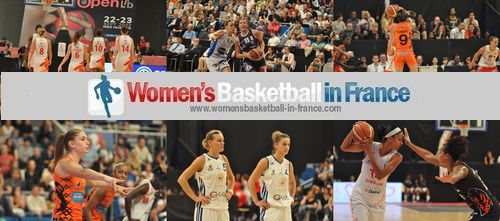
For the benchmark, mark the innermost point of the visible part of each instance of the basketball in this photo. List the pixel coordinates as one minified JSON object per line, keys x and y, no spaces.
{"x":362,"y":130}
{"x":117,"y":90}
{"x":256,"y":54}
{"x":392,"y":11}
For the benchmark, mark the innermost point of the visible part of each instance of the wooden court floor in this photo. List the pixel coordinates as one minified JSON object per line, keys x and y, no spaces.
{"x":412,"y":212}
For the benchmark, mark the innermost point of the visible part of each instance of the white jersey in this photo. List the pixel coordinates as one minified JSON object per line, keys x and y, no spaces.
{"x":488,"y":59}
{"x":212,"y":183}
{"x":275,"y":183}
{"x":368,"y":189}
{"x":97,"y":53}
{"x":41,"y":55}
{"x":142,"y":206}
{"x":76,"y":63}
{"x":123,"y":62}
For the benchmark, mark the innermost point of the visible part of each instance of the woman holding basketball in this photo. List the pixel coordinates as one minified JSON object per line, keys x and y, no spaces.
{"x":215,"y":180}
{"x":381,"y":159}
{"x":70,"y":178}
{"x":464,"y":179}
{"x":78,"y":52}
{"x":249,"y":45}
{"x":278,"y":182}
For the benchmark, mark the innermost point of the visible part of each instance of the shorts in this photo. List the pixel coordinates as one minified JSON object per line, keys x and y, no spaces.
{"x":476,"y":217}
{"x":337,"y":68}
{"x":210,"y":214}
{"x":362,"y":212}
{"x":253,"y":66}
{"x":276,"y":213}
{"x":402,"y":57}
{"x":487,"y":69}
{"x":217,"y":66}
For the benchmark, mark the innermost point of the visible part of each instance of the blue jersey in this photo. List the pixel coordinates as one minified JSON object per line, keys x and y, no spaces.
{"x":248,"y":42}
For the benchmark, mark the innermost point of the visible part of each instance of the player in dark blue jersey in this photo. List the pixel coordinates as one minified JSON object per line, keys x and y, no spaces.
{"x":464,"y":179}
{"x":246,"y":41}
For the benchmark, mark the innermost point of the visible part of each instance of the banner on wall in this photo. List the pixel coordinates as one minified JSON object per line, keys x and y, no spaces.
{"x":83,"y":16}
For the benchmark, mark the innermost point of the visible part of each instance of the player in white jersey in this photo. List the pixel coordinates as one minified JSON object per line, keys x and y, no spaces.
{"x":215,"y":180}
{"x":98,"y":48}
{"x":387,"y":21}
{"x":33,"y":38}
{"x":140,"y":200}
{"x":489,"y":55}
{"x":381,"y":159}
{"x":222,"y":42}
{"x":79,"y":55}
{"x":124,"y":52}
{"x":277,"y":182}
{"x":40,"y":53}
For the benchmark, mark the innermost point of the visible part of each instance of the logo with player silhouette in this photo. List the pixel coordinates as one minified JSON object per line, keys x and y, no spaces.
{"x":105,"y":97}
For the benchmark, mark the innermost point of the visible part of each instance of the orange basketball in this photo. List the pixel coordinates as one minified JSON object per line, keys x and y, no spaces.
{"x":362,"y":130}
{"x":256,"y":54}
{"x":392,"y":11}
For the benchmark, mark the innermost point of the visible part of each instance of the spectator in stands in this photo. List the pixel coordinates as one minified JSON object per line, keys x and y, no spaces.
{"x":297,"y":28}
{"x":121,"y":148}
{"x":315,"y":30}
{"x":143,"y":154}
{"x":7,"y":130}
{"x":292,"y":41}
{"x":319,"y":44}
{"x":348,"y":31}
{"x":48,"y":154}
{"x":435,"y":63}
{"x":339,"y":25}
{"x":274,"y":41}
{"x":36,"y":202}
{"x":18,"y":202}
{"x":5,"y":209}
{"x":142,"y":43}
{"x":383,"y":60}
{"x":441,"y":33}
{"x":46,"y":133}
{"x":176,"y":49}
{"x":6,"y":160}
{"x":189,"y":33}
{"x":3,"y":42}
{"x":47,"y":181}
{"x":468,"y":60}
{"x":367,"y":22}
{"x":51,"y":202}
{"x":444,"y":63}
{"x":472,"y":32}
{"x":6,"y":51}
{"x":489,"y":159}
{"x":363,"y":64}
{"x":408,"y":188}
{"x":308,"y":207}
{"x":273,"y":26}
{"x":421,"y":187}
{"x":270,"y":57}
{"x":456,"y":62}
{"x":304,"y":41}
{"x":422,"y":27}
{"x":287,"y":63}
{"x":434,"y":26}
{"x":31,"y":175}
{"x":458,"y":32}
{"x":354,"y":20}
{"x":471,"y":20}
{"x":26,"y":150}
{"x":192,"y":53}
{"x":375,"y":66}
{"x":420,"y":60}
{"x":317,"y":64}
{"x":147,"y":50}
{"x":452,"y":20}
{"x":174,"y":22}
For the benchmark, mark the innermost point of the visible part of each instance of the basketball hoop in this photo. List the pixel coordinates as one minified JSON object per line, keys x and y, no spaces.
{"x":464,"y":129}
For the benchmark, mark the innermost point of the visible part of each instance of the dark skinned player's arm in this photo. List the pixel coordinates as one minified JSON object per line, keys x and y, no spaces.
{"x":135,"y":193}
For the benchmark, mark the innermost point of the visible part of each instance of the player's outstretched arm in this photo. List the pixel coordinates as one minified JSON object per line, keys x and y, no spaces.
{"x":425,"y":154}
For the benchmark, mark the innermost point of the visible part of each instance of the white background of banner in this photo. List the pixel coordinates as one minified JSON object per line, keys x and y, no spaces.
{"x":433,"y":95}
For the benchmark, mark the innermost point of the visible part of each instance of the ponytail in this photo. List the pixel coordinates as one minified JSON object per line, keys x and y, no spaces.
{"x":58,"y":152}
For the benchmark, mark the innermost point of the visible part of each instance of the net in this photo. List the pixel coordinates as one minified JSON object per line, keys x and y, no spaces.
{"x":47,"y":4}
{"x":464,"y":129}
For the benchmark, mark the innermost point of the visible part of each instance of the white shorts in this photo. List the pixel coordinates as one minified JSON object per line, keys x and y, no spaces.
{"x":276,"y":213}
{"x":362,"y":212}
{"x":210,"y":214}
{"x":97,"y":62}
{"x":217,"y":65}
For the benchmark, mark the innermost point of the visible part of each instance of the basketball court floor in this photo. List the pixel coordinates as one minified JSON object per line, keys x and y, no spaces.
{"x":412,"y":211}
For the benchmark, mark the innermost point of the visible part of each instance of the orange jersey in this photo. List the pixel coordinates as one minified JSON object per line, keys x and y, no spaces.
{"x":69,"y":198}
{"x":100,"y":210}
{"x":402,"y":36}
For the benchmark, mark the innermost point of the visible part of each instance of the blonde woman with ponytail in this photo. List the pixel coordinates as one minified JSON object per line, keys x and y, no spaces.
{"x":277,"y":182}
{"x":70,"y":177}
{"x":215,"y":180}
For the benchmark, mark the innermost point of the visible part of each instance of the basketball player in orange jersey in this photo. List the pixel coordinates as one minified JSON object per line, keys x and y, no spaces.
{"x":381,"y":159}
{"x":246,"y":41}
{"x":100,"y":198}
{"x":98,"y":47}
{"x":79,"y":55}
{"x":338,"y":52}
{"x":70,"y":178}
{"x":124,"y":53}
{"x":489,"y":54}
{"x":40,"y":57}
{"x":401,"y":32}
